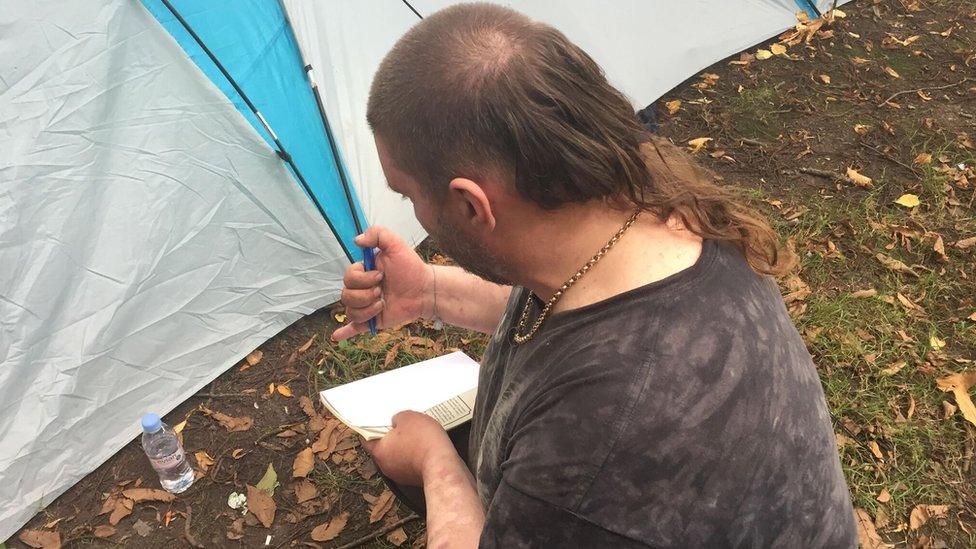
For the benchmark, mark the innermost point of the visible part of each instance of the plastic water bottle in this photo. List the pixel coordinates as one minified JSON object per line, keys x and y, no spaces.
{"x":166,"y":454}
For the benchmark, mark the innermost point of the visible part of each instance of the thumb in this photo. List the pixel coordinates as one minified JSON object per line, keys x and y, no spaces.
{"x":349,"y":330}
{"x":378,"y":236}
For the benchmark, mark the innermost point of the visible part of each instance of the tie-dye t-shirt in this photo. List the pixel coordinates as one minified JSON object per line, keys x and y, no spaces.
{"x":685,"y":413}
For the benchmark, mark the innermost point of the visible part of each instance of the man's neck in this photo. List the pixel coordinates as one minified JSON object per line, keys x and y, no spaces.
{"x":553,"y":249}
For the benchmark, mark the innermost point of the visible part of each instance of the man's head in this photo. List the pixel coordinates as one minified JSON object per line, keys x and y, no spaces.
{"x":487,"y":120}
{"x":478,"y":109}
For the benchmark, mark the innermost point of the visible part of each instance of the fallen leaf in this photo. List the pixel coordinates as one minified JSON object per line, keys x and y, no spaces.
{"x":965,"y":243}
{"x":892,"y":72}
{"x":142,"y":528}
{"x":104,"y":531}
{"x":305,"y":490}
{"x":41,"y":539}
{"x":959,"y":384}
{"x":330,"y":530}
{"x":673,"y":106}
{"x":908,"y":200}
{"x":698,"y":143}
{"x":894,"y":264}
{"x":391,"y":356}
{"x":859,"y":60}
{"x":339,"y":317}
{"x":936,"y":343}
{"x":836,"y":13}
{"x":858,"y":179}
{"x":381,"y":507}
{"x":867,"y":535}
{"x":254,"y":357}
{"x":204,"y":461}
{"x":923,"y":513}
{"x":972,"y":317}
{"x":178,"y":428}
{"x":894,"y":368}
{"x":269,"y":481}
{"x":306,"y":405}
{"x":236,"y":530}
{"x":861,"y":129}
{"x":308,"y":344}
{"x":230,"y":423}
{"x":168,"y":517}
{"x":397,"y":537}
{"x":238,"y":453}
{"x":763,"y":55}
{"x":123,"y":508}
{"x":261,"y":504}
{"x":870,"y":292}
{"x":284,"y":391}
{"x":825,"y":78}
{"x":884,"y":496}
{"x":138,"y":495}
{"x":939,"y":247}
{"x":876,"y":450}
{"x":777,"y":49}
{"x":948,"y":409}
{"x":304,"y":462}
{"x":923,"y":158}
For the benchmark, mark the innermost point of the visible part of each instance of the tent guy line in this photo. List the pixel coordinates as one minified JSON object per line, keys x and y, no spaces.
{"x":279,"y":148}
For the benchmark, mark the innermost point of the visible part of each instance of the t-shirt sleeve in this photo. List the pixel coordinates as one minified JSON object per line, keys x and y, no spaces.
{"x":517,"y":519}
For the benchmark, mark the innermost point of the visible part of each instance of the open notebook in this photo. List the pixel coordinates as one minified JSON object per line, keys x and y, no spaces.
{"x":443,"y":388}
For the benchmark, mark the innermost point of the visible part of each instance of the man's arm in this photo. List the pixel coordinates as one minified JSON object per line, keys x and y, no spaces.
{"x":462,"y":299}
{"x":454,"y":513}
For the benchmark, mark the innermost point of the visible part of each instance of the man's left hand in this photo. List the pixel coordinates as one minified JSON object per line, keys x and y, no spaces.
{"x":413,"y":443}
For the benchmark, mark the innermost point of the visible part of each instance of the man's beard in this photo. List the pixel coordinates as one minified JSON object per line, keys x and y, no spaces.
{"x":471,"y":257}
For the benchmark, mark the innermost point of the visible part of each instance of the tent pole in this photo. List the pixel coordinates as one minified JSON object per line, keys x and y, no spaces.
{"x":280,"y":149}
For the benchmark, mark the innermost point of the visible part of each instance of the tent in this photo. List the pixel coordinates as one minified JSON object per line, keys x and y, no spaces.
{"x":174,"y":190}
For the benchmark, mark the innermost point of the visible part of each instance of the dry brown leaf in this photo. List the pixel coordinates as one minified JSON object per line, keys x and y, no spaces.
{"x":230,"y":423}
{"x":238,"y":453}
{"x":236,"y":530}
{"x":325,"y":442}
{"x":305,"y":490}
{"x":673,"y":106}
{"x":965,"y":243}
{"x":923,"y":158}
{"x":397,"y":537}
{"x":142,"y":528}
{"x":306,"y":405}
{"x":884,"y":496}
{"x":284,"y":391}
{"x":939,"y":248}
{"x":948,"y":409}
{"x":825,"y":78}
{"x":876,"y":450}
{"x":972,"y":317}
{"x":892,"y":72}
{"x":204,"y":461}
{"x":870,"y":292}
{"x":308,"y":344}
{"x":923,"y":513}
{"x":391,"y":356}
{"x":330,"y":530}
{"x":867,"y":535}
{"x":860,"y":180}
{"x":894,"y":264}
{"x":123,"y":508}
{"x":861,"y":129}
{"x":138,"y":495}
{"x":959,"y":384}
{"x":41,"y":539}
{"x":254,"y":357}
{"x":697,"y":144}
{"x":261,"y":504}
{"x":178,"y":428}
{"x":381,"y":507}
{"x":104,"y":531}
{"x":894,"y":368}
{"x":777,"y":49}
{"x":304,"y":462}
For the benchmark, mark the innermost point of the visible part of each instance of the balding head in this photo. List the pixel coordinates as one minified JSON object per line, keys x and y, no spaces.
{"x":478,"y":90}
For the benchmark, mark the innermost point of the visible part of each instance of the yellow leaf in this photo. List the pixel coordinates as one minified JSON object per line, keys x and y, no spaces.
{"x":763,"y":55}
{"x":858,"y":179}
{"x":876,"y":450}
{"x":825,"y":78}
{"x":254,"y":357}
{"x":936,"y":343}
{"x":697,"y":144}
{"x":339,"y":317}
{"x":861,"y":129}
{"x":178,"y":428}
{"x":959,"y":384}
{"x":838,"y":14}
{"x":892,"y":72}
{"x":284,"y":391}
{"x":777,"y":49}
{"x":271,"y":388}
{"x":908,"y":200}
{"x":923,"y":158}
{"x":673,"y":106}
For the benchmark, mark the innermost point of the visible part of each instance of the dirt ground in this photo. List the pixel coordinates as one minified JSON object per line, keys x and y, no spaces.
{"x":885,"y":299}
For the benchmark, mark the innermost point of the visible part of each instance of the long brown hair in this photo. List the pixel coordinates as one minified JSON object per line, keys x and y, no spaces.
{"x":478,"y":89}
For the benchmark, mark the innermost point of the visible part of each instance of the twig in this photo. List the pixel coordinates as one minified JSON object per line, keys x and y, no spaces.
{"x":888,"y":157}
{"x":186,"y":529}
{"x":947,"y":86}
{"x":378,"y":533}
{"x":753,"y":142}
{"x":824,"y":174}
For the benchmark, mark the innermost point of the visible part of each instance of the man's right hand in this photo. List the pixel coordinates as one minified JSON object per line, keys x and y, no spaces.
{"x":399,"y":290}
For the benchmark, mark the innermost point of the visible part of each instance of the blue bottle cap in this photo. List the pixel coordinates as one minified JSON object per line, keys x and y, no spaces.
{"x":151,"y":423}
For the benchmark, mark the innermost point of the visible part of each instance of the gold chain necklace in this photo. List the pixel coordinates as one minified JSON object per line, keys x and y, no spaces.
{"x":521,"y":338}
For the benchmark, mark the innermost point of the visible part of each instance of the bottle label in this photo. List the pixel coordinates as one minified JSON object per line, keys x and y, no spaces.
{"x":167,"y":462}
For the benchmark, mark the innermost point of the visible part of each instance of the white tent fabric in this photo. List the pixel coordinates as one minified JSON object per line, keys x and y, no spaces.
{"x":149,"y":239}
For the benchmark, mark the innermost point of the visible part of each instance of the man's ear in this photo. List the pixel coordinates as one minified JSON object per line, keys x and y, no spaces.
{"x":475,"y":206}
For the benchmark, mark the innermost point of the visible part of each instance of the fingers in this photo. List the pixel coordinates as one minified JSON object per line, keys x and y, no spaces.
{"x":349,"y":330}
{"x":359,"y":299}
{"x":358,"y":279}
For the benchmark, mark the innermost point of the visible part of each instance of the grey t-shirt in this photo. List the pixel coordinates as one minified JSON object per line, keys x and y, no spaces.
{"x":685,"y":413}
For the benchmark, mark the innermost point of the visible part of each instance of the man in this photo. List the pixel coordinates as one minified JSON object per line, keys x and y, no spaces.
{"x":644,"y":385}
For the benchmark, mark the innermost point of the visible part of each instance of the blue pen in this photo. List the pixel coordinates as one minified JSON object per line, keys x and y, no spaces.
{"x":369,"y":263}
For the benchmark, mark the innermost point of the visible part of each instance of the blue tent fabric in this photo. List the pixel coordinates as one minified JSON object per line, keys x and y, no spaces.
{"x":254,"y":42}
